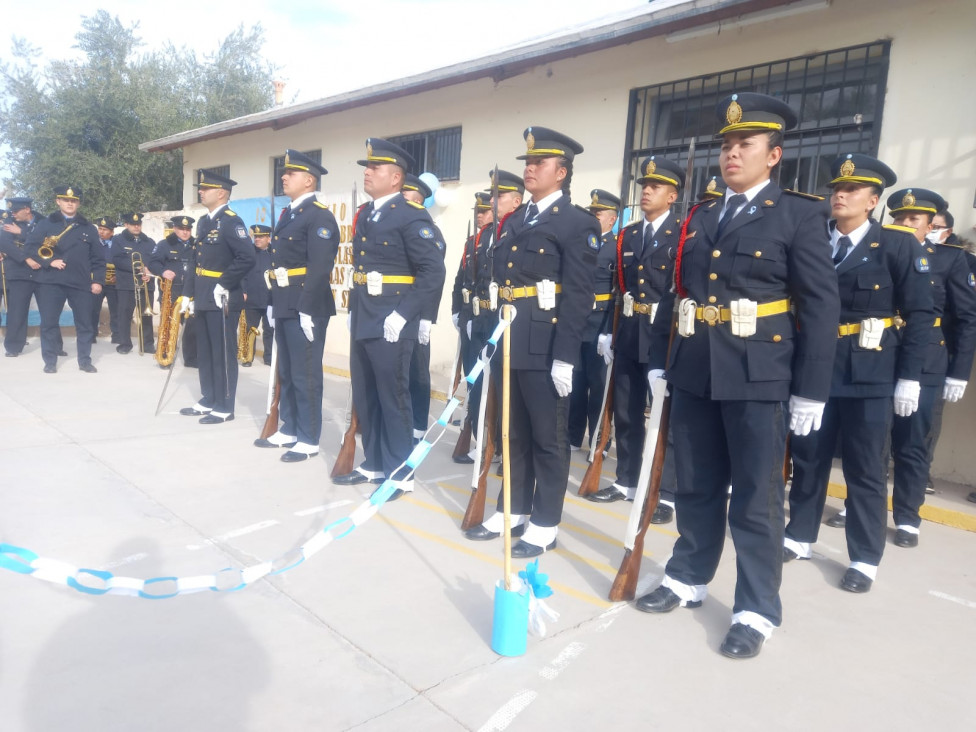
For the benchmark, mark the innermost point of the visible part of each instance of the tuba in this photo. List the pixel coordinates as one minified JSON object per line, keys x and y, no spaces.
{"x":169,"y":324}
{"x":246,"y":338}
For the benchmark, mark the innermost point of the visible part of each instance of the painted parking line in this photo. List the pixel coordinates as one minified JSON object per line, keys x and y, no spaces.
{"x":952,"y":598}
{"x":501,"y":719}
{"x":233,"y":534}
{"x":324,"y":507}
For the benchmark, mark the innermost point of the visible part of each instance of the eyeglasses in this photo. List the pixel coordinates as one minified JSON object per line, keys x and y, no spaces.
{"x":936,"y":227}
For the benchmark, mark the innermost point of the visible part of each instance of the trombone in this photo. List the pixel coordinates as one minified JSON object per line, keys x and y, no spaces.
{"x":142,"y":295}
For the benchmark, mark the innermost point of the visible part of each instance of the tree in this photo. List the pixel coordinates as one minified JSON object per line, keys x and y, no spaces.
{"x":81,"y":122}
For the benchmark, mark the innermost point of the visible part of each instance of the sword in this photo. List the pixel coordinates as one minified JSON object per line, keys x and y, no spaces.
{"x":223,"y":331}
{"x":172,"y":368}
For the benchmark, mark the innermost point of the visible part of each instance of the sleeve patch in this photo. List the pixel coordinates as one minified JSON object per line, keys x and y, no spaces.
{"x":593,"y":242}
{"x":324,"y":233}
{"x":241,"y":232}
{"x":972,"y":280}
{"x":426,"y":232}
{"x":922,"y":264}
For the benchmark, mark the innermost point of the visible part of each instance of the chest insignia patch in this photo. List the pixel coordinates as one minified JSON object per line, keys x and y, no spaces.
{"x":922,"y":264}
{"x":593,"y":242}
{"x":324,"y":233}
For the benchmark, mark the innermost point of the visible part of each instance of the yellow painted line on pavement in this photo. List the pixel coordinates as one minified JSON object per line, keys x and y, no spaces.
{"x":935,"y":514}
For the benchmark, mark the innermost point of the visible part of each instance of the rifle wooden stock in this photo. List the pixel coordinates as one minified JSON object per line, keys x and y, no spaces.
{"x":347,"y":453}
{"x":625,"y":583}
{"x":271,"y":421}
{"x":475,"y":512}
{"x":463,"y":444}
{"x":591,"y":478}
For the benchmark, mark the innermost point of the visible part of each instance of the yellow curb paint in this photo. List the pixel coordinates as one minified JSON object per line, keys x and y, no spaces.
{"x":935,"y":514}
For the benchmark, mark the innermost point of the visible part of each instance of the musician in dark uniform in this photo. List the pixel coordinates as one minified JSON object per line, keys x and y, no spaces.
{"x":883,"y":335}
{"x":948,"y":356}
{"x":256,"y":293}
{"x":647,"y":252}
{"x":20,"y":270}
{"x":303,"y":251}
{"x":106,"y":229}
{"x":757,"y":305}
{"x":398,"y":268}
{"x":72,"y":269}
{"x":124,"y":245}
{"x":169,"y":260}
{"x":545,"y":261}
{"x":222,"y":256}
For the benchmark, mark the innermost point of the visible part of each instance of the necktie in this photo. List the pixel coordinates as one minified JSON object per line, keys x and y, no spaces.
{"x":648,"y":238}
{"x":730,"y":209}
{"x":284,"y":213}
{"x":844,"y":245}
{"x":531,"y":211}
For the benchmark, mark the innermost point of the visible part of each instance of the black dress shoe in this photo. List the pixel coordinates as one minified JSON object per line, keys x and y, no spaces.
{"x":261,"y":442}
{"x":855,"y":581}
{"x":789,"y":555}
{"x":88,"y":368}
{"x":214,"y":419}
{"x":354,"y":478}
{"x":606,"y":495}
{"x":463,"y":459}
{"x":50,"y":369}
{"x":295,"y":457}
{"x":838,"y":521}
{"x":11,"y":354}
{"x":480,"y":533}
{"x":123,"y":349}
{"x":193,"y":412}
{"x":525,"y":550}
{"x":971,"y":497}
{"x":905,"y":538}
{"x":267,"y":362}
{"x":456,"y":422}
{"x":663,"y":514}
{"x":662,"y":600}
{"x":742,"y":642}
{"x":62,"y":352}
{"x":246,"y":364}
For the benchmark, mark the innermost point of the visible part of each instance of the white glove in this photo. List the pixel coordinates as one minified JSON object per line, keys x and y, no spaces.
{"x":604,"y":347}
{"x":392,"y":326}
{"x":906,"y":397}
{"x":186,"y":306}
{"x":562,"y":377}
{"x":653,"y":375}
{"x":423,"y":333}
{"x":305,"y":320}
{"x":455,"y":318}
{"x":220,"y":292}
{"x":270,"y":315}
{"x":953,"y":389}
{"x":805,"y":415}
{"x":467,"y":329}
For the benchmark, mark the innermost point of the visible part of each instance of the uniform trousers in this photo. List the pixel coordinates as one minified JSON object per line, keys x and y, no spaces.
{"x":910,"y":451}
{"x":50,"y":301}
{"x":259,"y":316}
{"x":863,"y":425}
{"x":19,"y":293}
{"x":189,"y":337}
{"x":127,"y":307}
{"x":587,"y":396}
{"x":420,"y":386}
{"x":717,"y":443}
{"x":539,"y":445}
{"x":470,"y":351}
{"x":381,"y":393}
{"x":217,"y":356}
{"x":300,"y":375}
{"x":111,"y":294}
{"x":932,"y":439}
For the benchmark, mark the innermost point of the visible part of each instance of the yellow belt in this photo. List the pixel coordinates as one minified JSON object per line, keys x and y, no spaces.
{"x":291,"y":272}
{"x":359,"y":278}
{"x":484,"y":304}
{"x":508,"y":294}
{"x":643,"y":308}
{"x":855,"y":328}
{"x":713,"y":314}
{"x":208,"y":273}
{"x":602,"y":298}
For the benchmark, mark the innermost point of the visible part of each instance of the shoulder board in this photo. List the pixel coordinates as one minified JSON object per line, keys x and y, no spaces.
{"x":416,"y":205}
{"x":229,"y":212}
{"x":319,"y":204}
{"x":896,"y":227}
{"x":801,"y":194}
{"x":953,"y":246}
{"x":584,"y":210}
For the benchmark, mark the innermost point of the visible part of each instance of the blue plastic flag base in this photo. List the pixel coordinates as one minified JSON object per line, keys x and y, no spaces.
{"x":510,"y":627}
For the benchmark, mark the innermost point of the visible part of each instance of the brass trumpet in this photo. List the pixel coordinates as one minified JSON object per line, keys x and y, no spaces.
{"x":143,"y":305}
{"x":46,"y":250}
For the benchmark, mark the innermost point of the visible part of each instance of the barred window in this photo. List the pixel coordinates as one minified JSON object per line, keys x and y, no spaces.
{"x":279,"y":167}
{"x":839,"y":97}
{"x":437,"y":152}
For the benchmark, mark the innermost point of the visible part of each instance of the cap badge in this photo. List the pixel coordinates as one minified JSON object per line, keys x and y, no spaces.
{"x":595,"y":199}
{"x":529,"y":140}
{"x":733,"y":115}
{"x":908,"y":200}
{"x":650,"y":167}
{"x":287,"y":159}
{"x":369,"y":149}
{"x":847,"y":168}
{"x":202,"y":177}
{"x":70,"y":192}
{"x":711,"y":186}
{"x":186,"y":221}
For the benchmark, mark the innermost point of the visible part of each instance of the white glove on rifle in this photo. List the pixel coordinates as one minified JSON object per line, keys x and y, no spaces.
{"x":186,"y":306}
{"x":805,"y":415}
{"x":270,"y":315}
{"x":220,"y":293}
{"x":392,"y":326}
{"x":953,"y":389}
{"x":423,"y":333}
{"x":305,"y":320}
{"x":604,"y":347}
{"x":653,"y":375}
{"x":562,"y":377}
{"x":456,"y":318}
{"x":467,"y":329}
{"x":906,"y":397}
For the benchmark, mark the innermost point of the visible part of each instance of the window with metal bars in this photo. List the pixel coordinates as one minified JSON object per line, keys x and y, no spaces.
{"x":437,"y":152}
{"x":279,"y":168}
{"x":838,"y":97}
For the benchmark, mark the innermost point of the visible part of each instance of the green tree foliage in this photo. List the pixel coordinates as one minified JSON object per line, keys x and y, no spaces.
{"x":81,"y":121}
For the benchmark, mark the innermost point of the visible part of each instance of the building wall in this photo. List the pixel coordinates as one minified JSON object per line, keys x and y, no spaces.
{"x":928,"y":133}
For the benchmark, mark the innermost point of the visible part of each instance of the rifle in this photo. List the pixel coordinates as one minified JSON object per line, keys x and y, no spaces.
{"x":475,"y":512}
{"x":274,"y":396}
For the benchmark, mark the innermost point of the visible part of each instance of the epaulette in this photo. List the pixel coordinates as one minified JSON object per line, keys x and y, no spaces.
{"x":320,"y":204}
{"x":954,"y":246}
{"x":416,"y":205}
{"x":801,"y":194}
{"x":896,"y":227}
{"x":229,"y":212}
{"x":584,"y":210}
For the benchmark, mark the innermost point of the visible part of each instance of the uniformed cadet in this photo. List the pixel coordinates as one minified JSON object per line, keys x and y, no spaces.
{"x":256,"y":293}
{"x":948,"y":358}
{"x":222,"y":256}
{"x":106,"y":229}
{"x":756,"y":300}
{"x":124,"y":245}
{"x":544,"y":263}
{"x":415,"y":190}
{"x":647,"y":252}
{"x":463,"y":299}
{"x":170,"y":260}
{"x":73,"y":269}
{"x":20,"y":272}
{"x":303,"y":251}
{"x":714,"y":190}
{"x":398,"y":268}
{"x":883,"y":280}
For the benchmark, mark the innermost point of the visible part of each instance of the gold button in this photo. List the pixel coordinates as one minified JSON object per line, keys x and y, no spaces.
{"x":777,"y":338}
{"x":713,"y":276}
{"x":362,"y":254}
{"x":877,"y":287}
{"x":640,"y":266}
{"x":392,"y":205}
{"x":514,"y":249}
{"x":360,"y":266}
{"x":554,"y":320}
{"x":509,"y":265}
{"x":640,"y":282}
{"x":508,"y":282}
{"x":541,"y":250}
{"x":712,"y":298}
{"x":643,"y":294}
{"x":941,"y":343}
{"x":364,"y":238}
{"x":716,"y":254}
{"x":758,"y":253}
{"x":386,"y":243}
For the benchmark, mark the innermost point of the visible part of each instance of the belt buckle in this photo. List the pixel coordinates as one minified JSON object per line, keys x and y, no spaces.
{"x":711,"y":314}
{"x":506,"y":293}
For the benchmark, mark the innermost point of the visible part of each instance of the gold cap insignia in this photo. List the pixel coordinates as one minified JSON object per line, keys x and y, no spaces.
{"x":711,"y":186}
{"x":595,"y":200}
{"x":650,"y":167}
{"x":908,"y":200}
{"x":733,"y":115}
{"x":186,"y":221}
{"x":287,"y":159}
{"x":202,"y":177}
{"x":847,"y":168}
{"x":369,"y":149}
{"x":529,"y":141}
{"x":69,"y":192}
{"x":136,"y":217}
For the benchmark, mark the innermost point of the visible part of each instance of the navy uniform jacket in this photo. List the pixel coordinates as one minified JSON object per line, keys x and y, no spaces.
{"x":402,"y":241}
{"x":223,"y":246}
{"x":433,"y":305}
{"x":80,"y":248}
{"x":123,"y":245}
{"x":600,"y":319}
{"x":307,"y":237}
{"x":255,"y":286}
{"x":777,"y":247}
{"x":173,"y":254}
{"x":464,"y":279}
{"x":483,"y":271}
{"x":561,"y":246}
{"x":648,"y":278}
{"x":12,"y":247}
{"x":951,"y":347}
{"x":880,"y":277}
